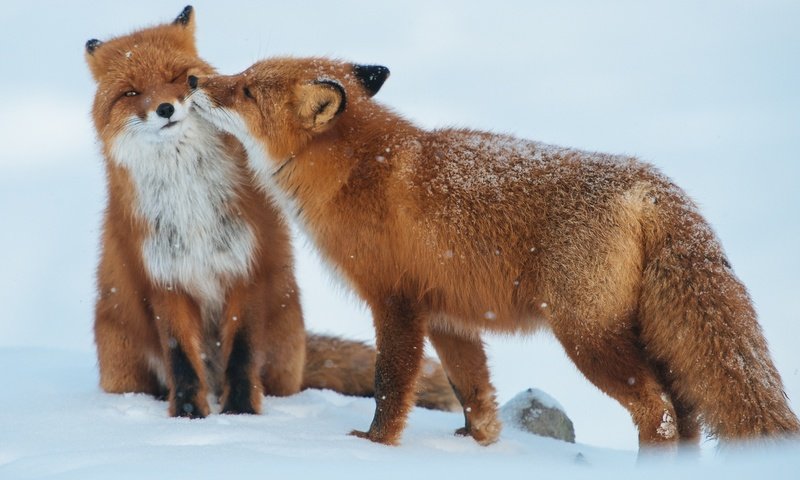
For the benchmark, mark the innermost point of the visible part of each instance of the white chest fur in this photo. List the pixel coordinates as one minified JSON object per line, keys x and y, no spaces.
{"x":185,"y":189}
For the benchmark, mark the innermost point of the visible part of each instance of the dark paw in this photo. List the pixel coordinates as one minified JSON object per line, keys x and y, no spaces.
{"x":231,"y":408}
{"x":189,"y":410}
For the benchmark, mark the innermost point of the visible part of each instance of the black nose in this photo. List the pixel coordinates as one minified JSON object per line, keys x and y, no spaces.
{"x":192,"y":81}
{"x":165,"y":110}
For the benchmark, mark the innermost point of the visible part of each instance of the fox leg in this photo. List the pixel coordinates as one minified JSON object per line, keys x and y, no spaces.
{"x":464,"y":362}
{"x":612,"y":360}
{"x":179,"y":325}
{"x":284,"y":342}
{"x":686,"y":415}
{"x":241,"y":391}
{"x":688,"y":425}
{"x":400,"y":332}
{"x":263,"y":339}
{"x":127,"y":348}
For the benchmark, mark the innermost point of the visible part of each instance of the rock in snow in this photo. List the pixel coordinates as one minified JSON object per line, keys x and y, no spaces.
{"x":537,"y":412}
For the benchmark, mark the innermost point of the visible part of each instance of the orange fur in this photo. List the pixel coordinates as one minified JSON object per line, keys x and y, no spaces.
{"x":448,"y":233}
{"x":172,"y":322}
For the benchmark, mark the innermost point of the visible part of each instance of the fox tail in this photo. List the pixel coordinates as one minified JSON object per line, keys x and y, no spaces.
{"x":348,"y":367}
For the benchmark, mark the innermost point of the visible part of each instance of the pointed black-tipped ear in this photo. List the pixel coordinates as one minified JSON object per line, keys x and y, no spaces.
{"x":185,"y":16}
{"x":92,"y":45}
{"x":371,"y":76}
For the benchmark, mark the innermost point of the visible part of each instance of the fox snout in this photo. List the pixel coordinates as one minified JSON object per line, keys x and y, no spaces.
{"x":197,"y":84}
{"x":214,"y":90}
{"x":165,"y":110}
{"x":213,"y":84}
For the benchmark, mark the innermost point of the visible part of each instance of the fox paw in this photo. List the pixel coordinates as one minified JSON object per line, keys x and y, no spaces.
{"x":485,"y":433}
{"x":374,"y":438}
{"x":241,"y":404}
{"x":190,"y":410}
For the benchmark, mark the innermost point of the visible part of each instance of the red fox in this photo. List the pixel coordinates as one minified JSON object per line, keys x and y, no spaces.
{"x":448,"y":233}
{"x":196,"y":286}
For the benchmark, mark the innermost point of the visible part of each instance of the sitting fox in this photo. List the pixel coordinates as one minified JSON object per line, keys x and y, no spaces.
{"x":196,"y":286}
{"x":448,"y":233}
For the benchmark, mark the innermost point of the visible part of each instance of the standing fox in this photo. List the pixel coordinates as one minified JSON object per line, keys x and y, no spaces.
{"x":447,"y":233}
{"x":196,"y":289}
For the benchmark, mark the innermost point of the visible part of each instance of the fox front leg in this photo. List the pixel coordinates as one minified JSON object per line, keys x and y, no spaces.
{"x":178,"y":320}
{"x":400,"y":335}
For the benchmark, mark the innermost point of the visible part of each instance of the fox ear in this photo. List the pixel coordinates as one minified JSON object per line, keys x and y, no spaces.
{"x":95,"y":65}
{"x":91,"y":45}
{"x":319,"y":103}
{"x":184,"y":23}
{"x":371,"y":77}
{"x":186,"y":17}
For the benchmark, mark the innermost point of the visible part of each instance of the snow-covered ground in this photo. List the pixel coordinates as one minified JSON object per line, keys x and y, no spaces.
{"x":707,"y":91}
{"x":55,"y":423}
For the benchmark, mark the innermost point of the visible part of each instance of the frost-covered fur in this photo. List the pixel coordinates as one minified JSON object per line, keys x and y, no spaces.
{"x":448,"y":233}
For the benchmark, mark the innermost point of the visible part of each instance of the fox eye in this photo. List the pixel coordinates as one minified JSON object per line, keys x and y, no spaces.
{"x":248,"y":93}
{"x":131,"y":93}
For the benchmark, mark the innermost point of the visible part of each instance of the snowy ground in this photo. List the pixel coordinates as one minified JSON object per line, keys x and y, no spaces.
{"x":706,"y":91}
{"x":57,"y":424}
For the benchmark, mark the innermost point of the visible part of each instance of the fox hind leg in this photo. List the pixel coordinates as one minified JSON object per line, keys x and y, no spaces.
{"x":686,"y":414}
{"x":610,"y":357}
{"x":125,"y":370}
{"x":128,"y":351}
{"x":465,"y":364}
{"x":284,"y":341}
{"x":688,"y":426}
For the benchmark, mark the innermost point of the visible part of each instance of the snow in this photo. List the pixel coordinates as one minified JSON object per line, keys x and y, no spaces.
{"x":56,"y":424}
{"x":706,"y":92}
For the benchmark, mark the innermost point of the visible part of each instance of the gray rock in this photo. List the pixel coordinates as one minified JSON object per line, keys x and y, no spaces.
{"x":536,"y":412}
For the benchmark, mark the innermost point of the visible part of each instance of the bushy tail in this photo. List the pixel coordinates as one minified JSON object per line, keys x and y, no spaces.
{"x":698,"y":322}
{"x":348,"y":367}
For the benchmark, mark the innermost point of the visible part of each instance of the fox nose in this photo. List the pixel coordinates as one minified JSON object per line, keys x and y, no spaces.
{"x":165,"y":110}
{"x":192,"y":81}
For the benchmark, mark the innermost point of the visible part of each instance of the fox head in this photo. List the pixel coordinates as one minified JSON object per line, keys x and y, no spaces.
{"x":281,"y":104}
{"x":142,"y":90}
